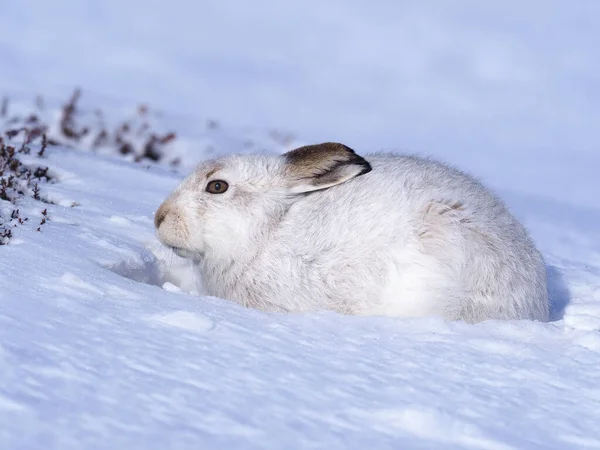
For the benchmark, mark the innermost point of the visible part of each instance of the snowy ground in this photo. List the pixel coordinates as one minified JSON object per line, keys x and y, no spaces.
{"x":103,"y":345}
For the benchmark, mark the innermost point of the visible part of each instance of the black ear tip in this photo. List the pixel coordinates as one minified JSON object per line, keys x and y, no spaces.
{"x":366,"y":167}
{"x":358,"y":160}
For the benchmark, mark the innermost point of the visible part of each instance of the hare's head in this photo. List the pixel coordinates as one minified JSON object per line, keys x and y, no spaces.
{"x":226,"y":206}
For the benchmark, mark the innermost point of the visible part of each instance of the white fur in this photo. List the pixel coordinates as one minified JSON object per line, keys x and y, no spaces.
{"x":413,"y":237}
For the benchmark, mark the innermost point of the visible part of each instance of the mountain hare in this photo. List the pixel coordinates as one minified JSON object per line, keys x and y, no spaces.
{"x":321,"y":227}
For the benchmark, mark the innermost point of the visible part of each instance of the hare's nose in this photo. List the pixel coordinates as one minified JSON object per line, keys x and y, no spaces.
{"x":159,"y":216}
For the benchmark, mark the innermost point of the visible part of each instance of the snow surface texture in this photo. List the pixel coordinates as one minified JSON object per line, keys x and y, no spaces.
{"x":104,"y":345}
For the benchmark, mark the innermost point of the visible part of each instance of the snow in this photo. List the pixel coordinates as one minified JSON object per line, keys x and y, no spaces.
{"x":104,"y":342}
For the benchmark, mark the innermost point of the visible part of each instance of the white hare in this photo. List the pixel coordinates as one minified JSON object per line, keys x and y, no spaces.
{"x":321,"y":227}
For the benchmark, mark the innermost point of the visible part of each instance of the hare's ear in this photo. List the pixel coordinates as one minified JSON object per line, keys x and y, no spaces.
{"x":321,"y":166}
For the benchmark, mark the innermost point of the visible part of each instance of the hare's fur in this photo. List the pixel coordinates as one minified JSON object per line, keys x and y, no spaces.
{"x":397,"y":236}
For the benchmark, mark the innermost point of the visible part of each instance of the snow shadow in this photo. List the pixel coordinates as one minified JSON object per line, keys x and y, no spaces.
{"x":148,"y":272}
{"x":158,"y":267}
{"x":558,"y":291}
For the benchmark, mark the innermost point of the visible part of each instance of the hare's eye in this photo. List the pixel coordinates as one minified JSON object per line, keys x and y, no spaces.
{"x":217,"y":187}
